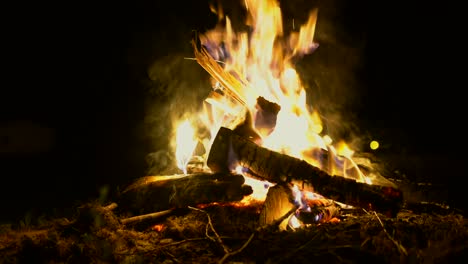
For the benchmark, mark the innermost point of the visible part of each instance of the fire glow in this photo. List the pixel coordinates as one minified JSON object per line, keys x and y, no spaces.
{"x":262,"y":60}
{"x":186,"y":143}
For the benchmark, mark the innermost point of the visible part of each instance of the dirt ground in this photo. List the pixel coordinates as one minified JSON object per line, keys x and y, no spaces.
{"x":230,"y":234}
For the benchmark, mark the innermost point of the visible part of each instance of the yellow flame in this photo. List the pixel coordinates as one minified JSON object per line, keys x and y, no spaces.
{"x":185,"y":144}
{"x":262,"y":60}
{"x":344,"y":150}
{"x":260,"y":188}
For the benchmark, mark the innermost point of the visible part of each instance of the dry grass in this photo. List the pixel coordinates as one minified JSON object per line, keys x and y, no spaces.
{"x":96,"y":235}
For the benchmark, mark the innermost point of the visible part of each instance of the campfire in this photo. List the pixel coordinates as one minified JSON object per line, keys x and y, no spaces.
{"x":265,"y":143}
{"x":259,"y":179}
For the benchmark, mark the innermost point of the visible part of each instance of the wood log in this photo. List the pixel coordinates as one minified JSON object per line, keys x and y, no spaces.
{"x":157,"y":193}
{"x":279,"y":201}
{"x":276,"y":167}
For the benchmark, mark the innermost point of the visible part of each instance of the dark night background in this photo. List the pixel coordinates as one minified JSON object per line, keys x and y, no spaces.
{"x":75,"y":94}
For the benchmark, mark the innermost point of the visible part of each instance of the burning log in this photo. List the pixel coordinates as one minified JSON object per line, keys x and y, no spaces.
{"x":158,"y":193}
{"x":276,"y":167}
{"x":279,"y":201}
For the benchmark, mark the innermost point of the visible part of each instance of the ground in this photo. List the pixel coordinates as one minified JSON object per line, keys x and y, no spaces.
{"x":230,"y":234}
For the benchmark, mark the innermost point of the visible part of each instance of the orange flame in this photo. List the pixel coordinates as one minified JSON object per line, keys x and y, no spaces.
{"x":262,"y":61}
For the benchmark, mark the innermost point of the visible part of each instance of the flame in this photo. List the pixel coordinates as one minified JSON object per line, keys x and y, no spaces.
{"x":262,"y":60}
{"x":186,"y":143}
{"x":260,"y":188}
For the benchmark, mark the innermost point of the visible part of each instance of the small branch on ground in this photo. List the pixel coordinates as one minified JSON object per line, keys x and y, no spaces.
{"x":111,"y":206}
{"x":139,"y":218}
{"x":400,"y":247}
{"x":210,"y":224}
{"x":275,"y":223}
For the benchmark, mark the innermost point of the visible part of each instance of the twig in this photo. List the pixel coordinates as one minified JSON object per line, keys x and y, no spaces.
{"x":184,"y":241}
{"x":232,"y":85}
{"x":400,"y":247}
{"x":227,"y":251}
{"x":110,"y":207}
{"x":275,"y":223}
{"x":187,"y":58}
{"x":229,"y":254}
{"x":171,"y":256}
{"x":210,"y":223}
{"x":139,"y":218}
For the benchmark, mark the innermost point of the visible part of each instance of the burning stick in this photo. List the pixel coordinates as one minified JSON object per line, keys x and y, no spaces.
{"x":231,"y":84}
{"x":276,"y":167}
{"x":157,"y":193}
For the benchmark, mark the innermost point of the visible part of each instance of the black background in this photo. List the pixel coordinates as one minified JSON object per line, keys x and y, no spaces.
{"x":77,"y":68}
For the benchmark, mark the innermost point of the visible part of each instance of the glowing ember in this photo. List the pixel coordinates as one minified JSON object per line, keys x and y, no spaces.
{"x":186,"y":143}
{"x":158,"y":227}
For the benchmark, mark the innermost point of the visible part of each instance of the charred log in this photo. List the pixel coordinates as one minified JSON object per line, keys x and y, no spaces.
{"x":158,"y":193}
{"x":276,"y":167}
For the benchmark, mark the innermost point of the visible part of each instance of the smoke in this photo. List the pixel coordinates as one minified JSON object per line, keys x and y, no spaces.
{"x":176,"y":88}
{"x":333,"y":75}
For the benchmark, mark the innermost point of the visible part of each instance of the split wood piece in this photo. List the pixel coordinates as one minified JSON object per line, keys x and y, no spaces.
{"x":266,"y":115}
{"x":279,"y":201}
{"x":275,"y":167}
{"x":158,"y":193}
{"x":233,"y":87}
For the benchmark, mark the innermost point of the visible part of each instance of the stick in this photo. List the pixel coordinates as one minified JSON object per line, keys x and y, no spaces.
{"x":140,"y":218}
{"x":227,"y":148}
{"x":232,"y":85}
{"x":400,"y":247}
{"x":210,"y":224}
{"x":110,"y":207}
{"x":260,"y":228}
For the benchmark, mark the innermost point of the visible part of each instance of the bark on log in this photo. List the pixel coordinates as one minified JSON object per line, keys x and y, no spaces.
{"x":279,"y":201}
{"x":157,"y":193}
{"x":275,"y":167}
